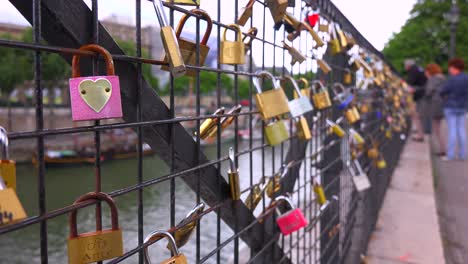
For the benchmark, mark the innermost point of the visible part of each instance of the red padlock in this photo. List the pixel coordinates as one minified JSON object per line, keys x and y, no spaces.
{"x":292,"y":220}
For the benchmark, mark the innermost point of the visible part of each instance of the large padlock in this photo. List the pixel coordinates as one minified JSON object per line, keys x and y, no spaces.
{"x":276,"y":133}
{"x":277,"y":9}
{"x":95,"y":97}
{"x":184,"y":2}
{"x":177,"y":257}
{"x":188,"y":48}
{"x":296,"y":55}
{"x":324,"y":66}
{"x":168,"y":38}
{"x":302,"y":128}
{"x":301,"y":105}
{"x":7,"y":166}
{"x":292,"y":220}
{"x":233,"y":174}
{"x":246,"y":13}
{"x":320,"y":96}
{"x":11,"y":210}
{"x":99,"y":245}
{"x":186,"y":227}
{"x":319,"y":193}
{"x":273,"y":102}
{"x":251,"y":34}
{"x":232,"y":52}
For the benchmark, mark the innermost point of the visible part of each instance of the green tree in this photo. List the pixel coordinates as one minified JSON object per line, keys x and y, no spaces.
{"x":208,"y":84}
{"x":426,"y":35}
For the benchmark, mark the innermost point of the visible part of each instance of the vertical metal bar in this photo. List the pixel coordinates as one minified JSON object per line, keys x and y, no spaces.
{"x":172,"y":131}
{"x":197,"y":156}
{"x":218,"y":141}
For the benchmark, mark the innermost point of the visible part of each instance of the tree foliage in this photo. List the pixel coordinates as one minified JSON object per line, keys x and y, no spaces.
{"x":426,"y":35}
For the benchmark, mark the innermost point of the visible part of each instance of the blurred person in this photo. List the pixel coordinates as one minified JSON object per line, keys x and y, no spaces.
{"x":455,"y":94}
{"x":435,"y":81}
{"x":417,"y":80}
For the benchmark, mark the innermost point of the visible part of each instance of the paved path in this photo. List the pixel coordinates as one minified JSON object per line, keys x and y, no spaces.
{"x":407,"y":230}
{"x":452,"y":203}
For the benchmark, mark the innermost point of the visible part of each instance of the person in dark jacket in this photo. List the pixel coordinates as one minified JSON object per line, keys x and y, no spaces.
{"x":455,"y":95}
{"x":435,"y":81}
{"x":417,"y":80}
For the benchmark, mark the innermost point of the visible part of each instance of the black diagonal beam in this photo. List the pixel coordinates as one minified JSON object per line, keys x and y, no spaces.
{"x":68,"y":23}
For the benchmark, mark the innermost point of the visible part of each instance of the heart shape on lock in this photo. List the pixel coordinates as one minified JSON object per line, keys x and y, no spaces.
{"x":95,"y":93}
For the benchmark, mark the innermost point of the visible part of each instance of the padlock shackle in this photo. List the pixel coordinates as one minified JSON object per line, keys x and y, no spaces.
{"x":227,"y":120}
{"x":196,"y":211}
{"x":156,"y":236}
{"x":294,"y":83}
{"x":234,"y":27}
{"x":252,"y":34}
{"x":317,"y":86}
{"x":204,"y":16}
{"x":286,"y":199}
{"x":94,"y":196}
{"x":232,"y":161}
{"x":303,"y":81}
{"x":159,"y":9}
{"x":265,"y":74}
{"x":96,"y":48}
{"x":4,"y":143}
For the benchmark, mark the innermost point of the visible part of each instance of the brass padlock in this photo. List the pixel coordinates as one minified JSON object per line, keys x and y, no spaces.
{"x":225,"y":121}
{"x":188,"y":48}
{"x":291,"y":20}
{"x":334,"y":43}
{"x":99,"y":245}
{"x":373,"y":153}
{"x":342,"y":38}
{"x":254,"y":197}
{"x":320,"y":96}
{"x":209,"y":127}
{"x":296,"y":55}
{"x":357,"y":138}
{"x":273,"y":185}
{"x":347,"y":77}
{"x":7,"y":166}
{"x":177,"y":258}
{"x":352,"y":115}
{"x":11,"y":210}
{"x":246,"y":13}
{"x":184,"y":2}
{"x":168,"y":38}
{"x":319,"y":193}
{"x":251,"y":34}
{"x":355,"y":65}
{"x":186,"y":227}
{"x":364,"y":108}
{"x":276,"y":133}
{"x":270,"y":103}
{"x":277,"y":9}
{"x":232,"y":52}
{"x":302,"y":128}
{"x":324,"y":66}
{"x":233,"y":173}
{"x":335,"y":128}
{"x":318,"y":40}
{"x":388,"y":133}
{"x":381,"y":163}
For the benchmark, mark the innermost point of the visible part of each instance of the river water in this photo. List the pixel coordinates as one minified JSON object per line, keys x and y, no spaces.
{"x":64,"y":185}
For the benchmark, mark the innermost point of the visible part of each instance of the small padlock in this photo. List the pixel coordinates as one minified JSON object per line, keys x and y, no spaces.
{"x":273,"y":185}
{"x":302,"y":128}
{"x":95,"y":97}
{"x":373,"y":152}
{"x":184,"y":2}
{"x":177,"y":258}
{"x":351,"y":41}
{"x":324,"y":66}
{"x":11,"y":209}
{"x":319,"y":193}
{"x":381,"y":163}
{"x":318,"y":40}
{"x":342,"y":97}
{"x":357,"y":138}
{"x":99,"y":245}
{"x":188,"y":48}
{"x":246,"y":13}
{"x":360,"y":179}
{"x":301,"y":105}
{"x":296,"y":56}
{"x":292,"y":220}
{"x":251,"y":34}
{"x":276,"y":133}
{"x":277,"y":9}
{"x":271,"y":103}
{"x":347,"y":77}
{"x":334,"y":43}
{"x":7,"y":166}
{"x":209,"y":127}
{"x":320,"y":96}
{"x":187,"y":226}
{"x":232,"y":52}
{"x":352,"y":115}
{"x":168,"y":38}
{"x":254,"y":197}
{"x":233,"y":173}
{"x":226,"y":121}
{"x":335,"y":128}
{"x":355,"y":65}
{"x":342,"y":38}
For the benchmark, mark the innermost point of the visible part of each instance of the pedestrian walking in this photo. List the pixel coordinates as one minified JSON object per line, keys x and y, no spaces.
{"x":435,"y":81}
{"x":455,"y":95}
{"x":417,"y":80}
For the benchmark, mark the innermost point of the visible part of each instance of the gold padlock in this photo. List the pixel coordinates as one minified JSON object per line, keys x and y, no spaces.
{"x":296,"y":55}
{"x":254,"y":197}
{"x":388,"y":134}
{"x":320,"y":96}
{"x":276,"y":133}
{"x":246,"y":13}
{"x":319,"y":193}
{"x":357,"y":138}
{"x":232,"y":52}
{"x":233,"y":173}
{"x":324,"y":66}
{"x":270,"y":103}
{"x":303,"y":130}
{"x":184,"y":2}
{"x":347,"y":77}
{"x":381,"y":163}
{"x":373,"y":153}
{"x":355,"y":65}
{"x":7,"y":166}
{"x":318,"y":40}
{"x":277,"y":9}
{"x":334,"y":43}
{"x":225,"y":121}
{"x":251,"y":34}
{"x":177,"y":257}
{"x":11,"y":210}
{"x":352,"y":115}
{"x":171,"y":46}
{"x":342,"y":38}
{"x":335,"y":128}
{"x":188,"y":48}
{"x":364,"y":108}
{"x":209,"y":127}
{"x":186,"y":227}
{"x":99,"y":245}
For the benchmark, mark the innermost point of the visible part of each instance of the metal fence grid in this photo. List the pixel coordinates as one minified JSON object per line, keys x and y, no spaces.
{"x":340,"y":234}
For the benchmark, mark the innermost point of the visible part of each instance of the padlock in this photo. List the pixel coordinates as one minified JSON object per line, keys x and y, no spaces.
{"x":292,"y":220}
{"x":177,"y":257}
{"x":232,"y":52}
{"x":319,"y":193}
{"x":226,"y":121}
{"x":233,"y":173}
{"x":7,"y":166}
{"x":188,"y":48}
{"x":352,"y":115}
{"x":347,"y":77}
{"x":373,"y":152}
{"x":95,"y":97}
{"x":168,"y":38}
{"x":11,"y":209}
{"x":296,"y":56}
{"x":360,"y":179}
{"x":301,"y":105}
{"x":99,"y":245}
{"x":364,"y":108}
{"x":357,"y":138}
{"x":335,"y":128}
{"x":334,"y":43}
{"x":184,"y":2}
{"x":304,"y":91}
{"x":320,"y":96}
{"x":292,"y":21}
{"x":254,"y":197}
{"x":324,"y":66}
{"x":355,"y":65}
{"x":186,"y":227}
{"x":251,"y":34}
{"x":210,"y":125}
{"x":246,"y":13}
{"x":276,"y":133}
{"x":342,"y":38}
{"x":270,"y":103}
{"x":318,"y":40}
{"x":273,"y":185}
{"x":343,"y":98}
{"x":277,"y":9}
{"x":381,"y":163}
{"x":302,"y":128}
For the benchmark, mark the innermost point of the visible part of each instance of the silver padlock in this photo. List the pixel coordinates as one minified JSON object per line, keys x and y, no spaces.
{"x":301,"y":105}
{"x":360,"y":179}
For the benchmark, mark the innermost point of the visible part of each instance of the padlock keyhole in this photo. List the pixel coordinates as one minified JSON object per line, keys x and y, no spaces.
{"x":83,"y":92}
{"x":107,"y":89}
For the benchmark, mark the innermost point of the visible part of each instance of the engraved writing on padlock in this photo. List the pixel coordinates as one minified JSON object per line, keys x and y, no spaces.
{"x":232,"y":52}
{"x":292,"y":220}
{"x":95,"y":97}
{"x":7,"y":166}
{"x":270,"y":103}
{"x":246,"y":13}
{"x":276,"y":133}
{"x":301,"y":105}
{"x":320,"y":97}
{"x":184,"y":2}
{"x":177,"y":258}
{"x":95,"y":246}
{"x":11,"y":209}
